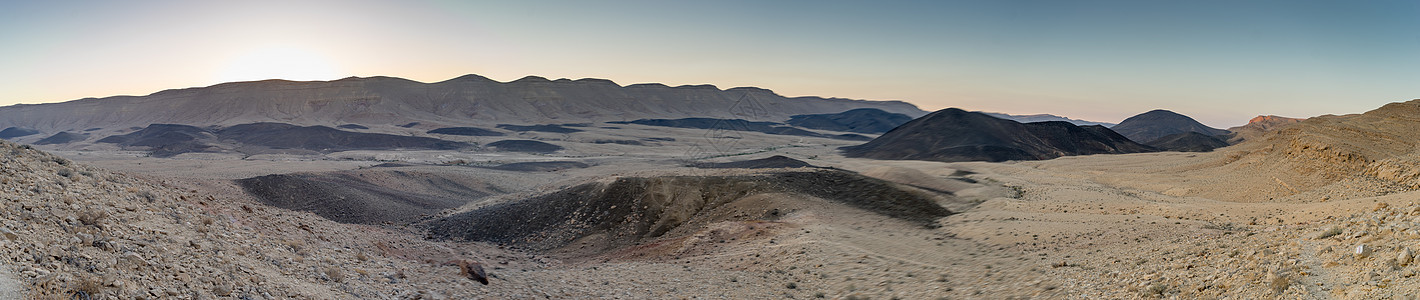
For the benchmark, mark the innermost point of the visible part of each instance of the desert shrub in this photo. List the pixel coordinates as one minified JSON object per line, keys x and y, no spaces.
{"x":93,"y":217}
{"x":147,"y":195}
{"x":333,"y":273}
{"x":1329,"y":233}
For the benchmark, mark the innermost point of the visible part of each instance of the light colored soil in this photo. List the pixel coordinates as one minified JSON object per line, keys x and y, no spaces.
{"x":1167,"y":225}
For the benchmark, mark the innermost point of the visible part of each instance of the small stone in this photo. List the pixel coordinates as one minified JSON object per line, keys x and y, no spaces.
{"x":9,"y":235}
{"x":1363,"y":251}
{"x":1405,"y":257}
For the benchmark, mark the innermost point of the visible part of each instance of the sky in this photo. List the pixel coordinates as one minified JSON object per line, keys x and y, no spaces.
{"x":1221,"y":62}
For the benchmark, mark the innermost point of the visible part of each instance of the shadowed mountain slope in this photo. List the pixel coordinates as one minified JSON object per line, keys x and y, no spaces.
{"x":956,"y":135}
{"x":62,"y":138}
{"x":14,"y":132}
{"x":1188,"y":142}
{"x":862,"y":120}
{"x":741,"y":125}
{"x":165,"y":140}
{"x":1155,"y":124}
{"x":368,"y":196}
{"x":628,"y":210}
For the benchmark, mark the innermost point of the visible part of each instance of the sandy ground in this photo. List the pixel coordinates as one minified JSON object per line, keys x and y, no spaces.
{"x":1091,"y":227}
{"x":10,"y":288}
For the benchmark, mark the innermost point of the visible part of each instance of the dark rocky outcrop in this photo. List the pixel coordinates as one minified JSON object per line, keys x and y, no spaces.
{"x":62,"y":138}
{"x":540,"y":166}
{"x":367,"y":196}
{"x":862,"y":120}
{"x":1155,"y":124}
{"x":14,"y":132}
{"x":326,"y":139}
{"x":740,"y":125}
{"x":634,"y":209}
{"x":1188,"y":142}
{"x":777,"y":161}
{"x":553,"y":128}
{"x":165,"y":140}
{"x":957,"y":135}
{"x":528,"y":146}
{"x":465,"y":131}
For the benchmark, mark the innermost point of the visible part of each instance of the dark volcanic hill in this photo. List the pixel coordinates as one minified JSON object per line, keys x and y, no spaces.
{"x":772,"y":162}
{"x":957,"y":135}
{"x":465,"y":131}
{"x":165,"y":140}
{"x":368,"y":196}
{"x":741,"y":125}
{"x":637,"y":209}
{"x":1188,"y":142}
{"x":528,"y":146}
{"x":862,"y":120}
{"x":462,"y":101}
{"x":326,"y":139}
{"x":62,"y":138}
{"x":14,"y":132}
{"x":1155,"y":124}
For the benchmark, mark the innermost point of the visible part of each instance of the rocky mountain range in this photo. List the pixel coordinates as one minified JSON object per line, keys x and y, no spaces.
{"x":1045,"y":118}
{"x":466,"y":100}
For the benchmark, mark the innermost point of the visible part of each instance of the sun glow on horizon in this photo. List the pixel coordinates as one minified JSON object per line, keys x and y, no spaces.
{"x":287,"y":63}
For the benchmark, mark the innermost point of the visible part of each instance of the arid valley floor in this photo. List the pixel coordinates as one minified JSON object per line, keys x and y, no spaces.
{"x":269,"y":190}
{"x":1170,"y":224}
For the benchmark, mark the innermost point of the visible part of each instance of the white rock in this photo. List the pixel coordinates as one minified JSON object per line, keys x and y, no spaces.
{"x":1363,"y":251}
{"x":1404,"y":257}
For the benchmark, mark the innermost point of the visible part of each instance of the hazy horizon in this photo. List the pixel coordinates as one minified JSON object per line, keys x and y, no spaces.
{"x":1219,"y":62}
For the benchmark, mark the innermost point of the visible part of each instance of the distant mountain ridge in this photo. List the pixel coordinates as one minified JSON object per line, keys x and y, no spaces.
{"x":466,"y":100}
{"x":953,"y":135}
{"x":1045,"y":118}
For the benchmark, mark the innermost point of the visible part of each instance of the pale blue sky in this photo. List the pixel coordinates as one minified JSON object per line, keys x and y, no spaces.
{"x":1221,"y":62}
